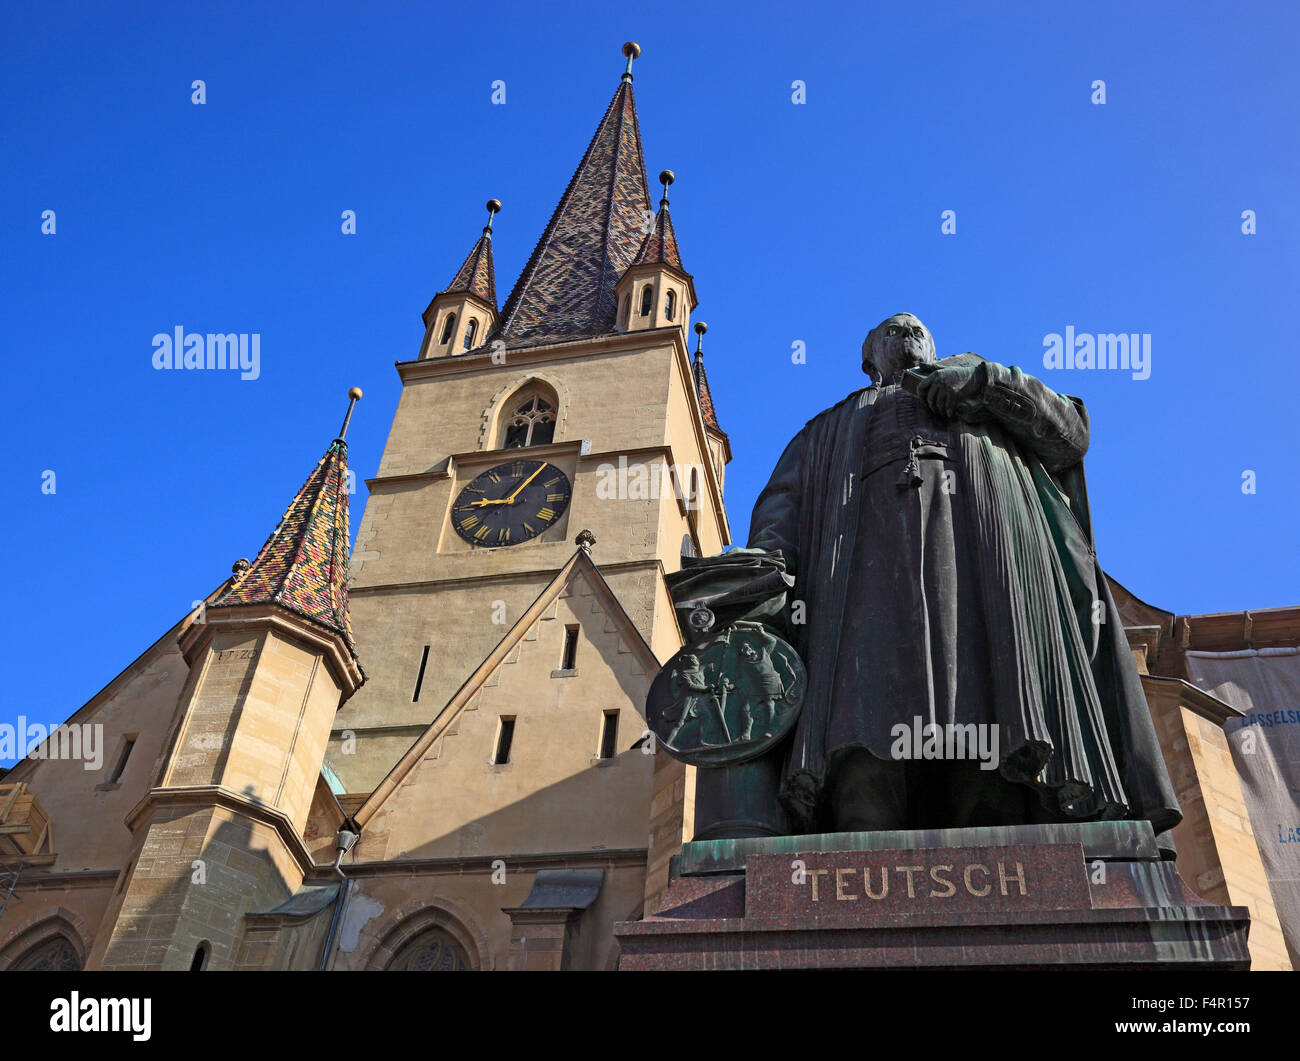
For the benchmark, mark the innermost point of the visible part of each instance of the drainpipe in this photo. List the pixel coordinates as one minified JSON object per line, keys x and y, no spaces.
{"x":349,"y":834}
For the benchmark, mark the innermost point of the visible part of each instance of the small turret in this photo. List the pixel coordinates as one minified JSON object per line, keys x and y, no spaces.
{"x":461,"y":316}
{"x":655,"y":291}
{"x":271,"y":661}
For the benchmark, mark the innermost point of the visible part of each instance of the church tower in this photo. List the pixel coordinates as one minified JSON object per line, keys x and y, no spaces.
{"x":544,"y":470}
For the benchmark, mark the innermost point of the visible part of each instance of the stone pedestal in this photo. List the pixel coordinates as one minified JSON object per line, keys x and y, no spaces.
{"x":1091,"y":896}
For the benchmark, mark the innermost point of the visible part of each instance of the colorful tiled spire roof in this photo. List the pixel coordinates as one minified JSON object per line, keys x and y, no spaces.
{"x":476,"y":275}
{"x":660,"y":246}
{"x":702,"y":389}
{"x":304,"y":564}
{"x":566,"y":290}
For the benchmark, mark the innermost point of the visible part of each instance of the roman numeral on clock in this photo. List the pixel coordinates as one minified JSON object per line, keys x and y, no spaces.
{"x":545,"y":514}
{"x":554,"y":497}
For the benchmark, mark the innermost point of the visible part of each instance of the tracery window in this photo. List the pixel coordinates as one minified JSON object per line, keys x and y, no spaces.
{"x":531,"y":424}
{"x":55,"y":955}
{"x":434,"y":951}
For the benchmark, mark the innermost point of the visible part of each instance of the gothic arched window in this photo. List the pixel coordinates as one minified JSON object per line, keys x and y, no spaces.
{"x":531,"y":421}
{"x":471,"y":330}
{"x":647,"y":300}
{"x":55,"y":955}
{"x":448,"y":330}
{"x":670,"y":304}
{"x":434,"y":951}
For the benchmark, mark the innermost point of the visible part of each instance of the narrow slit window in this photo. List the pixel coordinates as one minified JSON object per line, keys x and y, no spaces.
{"x":200,"y":958}
{"x":647,"y":300}
{"x":609,"y":735}
{"x":123,"y":756}
{"x":419,"y":677}
{"x":670,"y":304}
{"x":570,"y":656}
{"x":471,"y":330}
{"x":505,"y":737}
{"x":448,"y":330}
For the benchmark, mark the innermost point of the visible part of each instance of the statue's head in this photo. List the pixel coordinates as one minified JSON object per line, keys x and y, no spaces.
{"x":748,"y":651}
{"x":896,"y":343}
{"x":691,"y":662}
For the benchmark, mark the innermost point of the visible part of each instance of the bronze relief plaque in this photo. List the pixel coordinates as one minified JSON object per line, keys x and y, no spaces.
{"x":728,"y":698}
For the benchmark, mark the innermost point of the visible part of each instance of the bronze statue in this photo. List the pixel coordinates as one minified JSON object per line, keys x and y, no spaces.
{"x":936,"y":526}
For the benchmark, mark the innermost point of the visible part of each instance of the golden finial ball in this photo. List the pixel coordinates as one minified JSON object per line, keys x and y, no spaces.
{"x":632,"y":50}
{"x":494,"y":206}
{"x":701,"y":327}
{"x":355,"y":394}
{"x":667,"y":176}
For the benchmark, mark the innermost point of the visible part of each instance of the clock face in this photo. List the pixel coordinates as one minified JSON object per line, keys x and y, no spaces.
{"x":511,"y":503}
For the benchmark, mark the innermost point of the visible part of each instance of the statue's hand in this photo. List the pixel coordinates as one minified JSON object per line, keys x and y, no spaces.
{"x":944,"y":389}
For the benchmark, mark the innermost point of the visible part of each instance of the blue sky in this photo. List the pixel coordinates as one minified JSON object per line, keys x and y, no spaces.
{"x":805,"y":223}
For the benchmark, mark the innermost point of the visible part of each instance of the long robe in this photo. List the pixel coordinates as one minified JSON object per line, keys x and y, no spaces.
{"x":948,"y":573}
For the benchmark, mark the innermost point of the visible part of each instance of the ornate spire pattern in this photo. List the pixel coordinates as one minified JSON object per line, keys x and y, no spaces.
{"x":702,"y":389}
{"x":660,"y":246}
{"x":566,"y":290}
{"x":304,"y":564}
{"x":476,"y":275}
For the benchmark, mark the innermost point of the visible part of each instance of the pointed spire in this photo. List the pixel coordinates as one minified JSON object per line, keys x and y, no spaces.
{"x":304,"y":564}
{"x":476,"y":275}
{"x":660,"y":246}
{"x":566,"y":290}
{"x":702,"y":381}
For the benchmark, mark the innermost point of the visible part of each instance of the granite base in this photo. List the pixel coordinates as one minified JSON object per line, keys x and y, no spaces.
{"x":1091,"y":896}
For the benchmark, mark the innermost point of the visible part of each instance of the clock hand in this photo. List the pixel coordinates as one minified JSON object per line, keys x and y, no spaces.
{"x":485,"y":501}
{"x":511,"y":499}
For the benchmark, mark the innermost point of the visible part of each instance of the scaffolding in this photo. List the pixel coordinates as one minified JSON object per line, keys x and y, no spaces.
{"x":26,"y":837}
{"x":9,"y":874}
